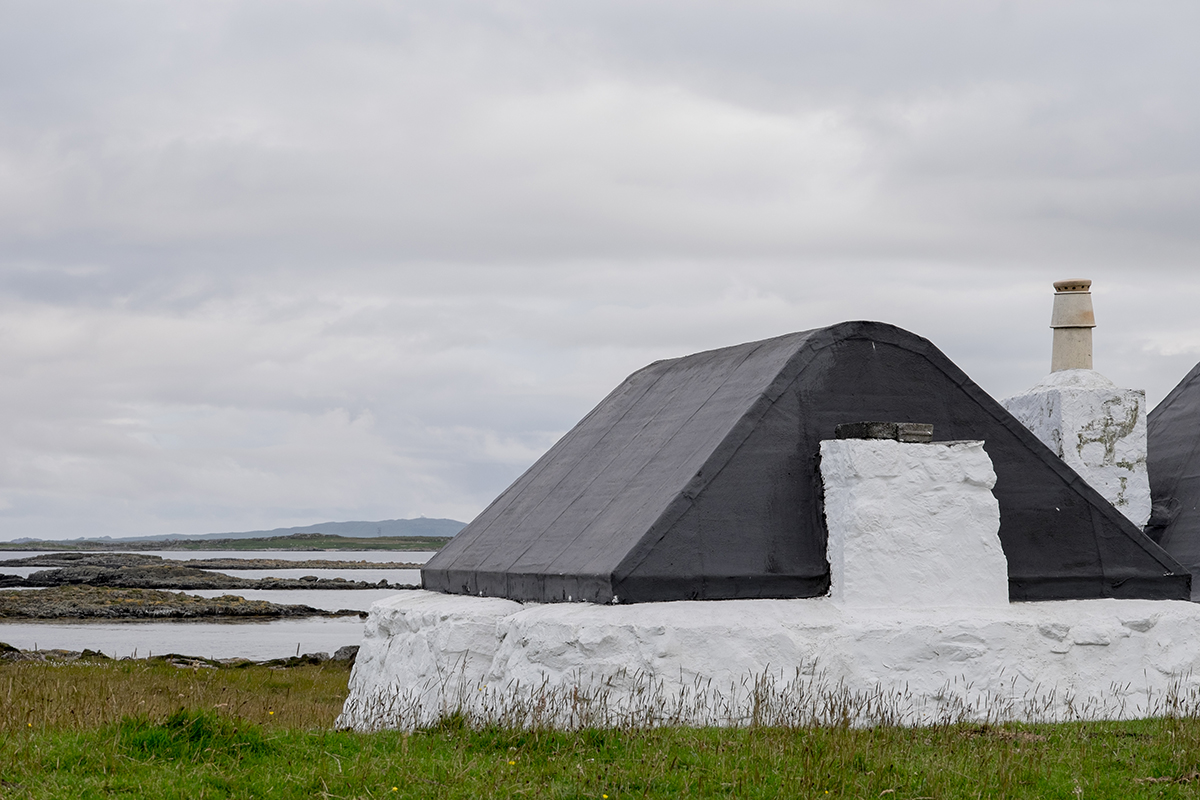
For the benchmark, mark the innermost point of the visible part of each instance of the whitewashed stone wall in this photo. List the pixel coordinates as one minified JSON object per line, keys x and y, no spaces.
{"x":1096,"y":427}
{"x":917,"y":660}
{"x":425,"y":655}
{"x":912,"y":525}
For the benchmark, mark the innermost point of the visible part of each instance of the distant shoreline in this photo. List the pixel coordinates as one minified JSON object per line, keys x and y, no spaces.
{"x":314,"y":542}
{"x":105,"y":604}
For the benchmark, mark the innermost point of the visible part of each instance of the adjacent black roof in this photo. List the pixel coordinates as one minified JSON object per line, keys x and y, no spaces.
{"x":1173,"y":458}
{"x":697,"y":478}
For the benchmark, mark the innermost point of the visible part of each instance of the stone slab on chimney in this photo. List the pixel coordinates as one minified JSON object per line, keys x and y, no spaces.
{"x":912,"y":525}
{"x":1097,"y":428}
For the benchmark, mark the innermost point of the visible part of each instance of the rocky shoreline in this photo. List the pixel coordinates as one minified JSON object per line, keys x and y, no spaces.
{"x":91,"y":602}
{"x":137,"y":571}
{"x":344,"y":656}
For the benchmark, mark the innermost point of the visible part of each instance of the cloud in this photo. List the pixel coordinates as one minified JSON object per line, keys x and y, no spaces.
{"x":267,"y":263}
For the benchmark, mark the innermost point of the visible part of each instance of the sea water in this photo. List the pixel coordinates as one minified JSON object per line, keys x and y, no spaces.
{"x":255,"y":639}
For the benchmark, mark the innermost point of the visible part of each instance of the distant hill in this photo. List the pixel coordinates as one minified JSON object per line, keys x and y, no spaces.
{"x":296,"y":541}
{"x":357,"y":530}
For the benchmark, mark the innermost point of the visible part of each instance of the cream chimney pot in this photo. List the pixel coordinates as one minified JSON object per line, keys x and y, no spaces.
{"x":1072,"y":321}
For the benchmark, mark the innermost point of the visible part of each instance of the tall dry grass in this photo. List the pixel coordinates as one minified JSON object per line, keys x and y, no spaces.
{"x":804,"y":699}
{"x":84,"y":695}
{"x":146,"y":729}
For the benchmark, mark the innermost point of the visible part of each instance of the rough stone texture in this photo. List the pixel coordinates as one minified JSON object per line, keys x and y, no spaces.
{"x":346,"y":652}
{"x":899,"y":431}
{"x":175,"y":576}
{"x":912,"y":525}
{"x":426,"y":654}
{"x":79,"y":602}
{"x":1097,"y":428}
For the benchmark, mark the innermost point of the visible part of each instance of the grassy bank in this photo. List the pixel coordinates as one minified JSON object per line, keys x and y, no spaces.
{"x":139,"y":730}
{"x":80,"y":696}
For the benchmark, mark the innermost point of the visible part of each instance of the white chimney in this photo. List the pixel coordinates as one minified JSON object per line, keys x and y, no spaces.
{"x":1096,"y":427}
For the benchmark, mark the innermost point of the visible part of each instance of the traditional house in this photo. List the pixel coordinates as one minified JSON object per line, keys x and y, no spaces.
{"x":697,"y":478}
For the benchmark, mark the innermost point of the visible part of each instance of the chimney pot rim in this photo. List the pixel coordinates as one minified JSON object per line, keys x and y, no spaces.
{"x":1077,"y":285}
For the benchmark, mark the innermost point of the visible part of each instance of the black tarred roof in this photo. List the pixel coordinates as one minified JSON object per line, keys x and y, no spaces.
{"x":1173,"y":434}
{"x":697,"y":478}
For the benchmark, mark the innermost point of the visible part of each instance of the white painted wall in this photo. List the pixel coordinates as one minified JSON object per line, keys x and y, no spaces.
{"x":912,"y":525}
{"x":1096,"y":427}
{"x":426,"y":654}
{"x":918,"y":632}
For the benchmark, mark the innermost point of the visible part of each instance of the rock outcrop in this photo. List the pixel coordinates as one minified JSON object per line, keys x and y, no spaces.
{"x":82,"y":602}
{"x":137,"y":571}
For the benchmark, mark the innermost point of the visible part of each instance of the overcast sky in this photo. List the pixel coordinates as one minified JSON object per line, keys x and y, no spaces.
{"x":275,"y":263}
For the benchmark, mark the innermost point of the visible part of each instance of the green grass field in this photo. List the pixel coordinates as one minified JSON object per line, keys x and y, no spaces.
{"x":149,"y":730}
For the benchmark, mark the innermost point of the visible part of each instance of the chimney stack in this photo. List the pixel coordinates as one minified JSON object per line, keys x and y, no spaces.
{"x":1072,"y":321}
{"x":1097,"y":428}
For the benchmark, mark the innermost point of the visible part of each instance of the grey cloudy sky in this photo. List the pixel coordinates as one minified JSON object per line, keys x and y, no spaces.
{"x":273,"y":263}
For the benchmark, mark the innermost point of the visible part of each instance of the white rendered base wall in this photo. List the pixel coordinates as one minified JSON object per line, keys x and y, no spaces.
{"x":912,"y":528}
{"x":1096,"y":427}
{"x":425,"y":655}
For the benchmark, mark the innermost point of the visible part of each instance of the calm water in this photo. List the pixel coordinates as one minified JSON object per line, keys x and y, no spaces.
{"x":407,"y":576}
{"x":375,"y":556}
{"x":402,"y":576}
{"x":230,"y":639}
{"x":410,"y":556}
{"x":328,"y":599}
{"x":227,"y":639}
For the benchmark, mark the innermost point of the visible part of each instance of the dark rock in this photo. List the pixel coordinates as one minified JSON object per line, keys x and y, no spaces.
{"x":174,"y":575}
{"x":917,"y":432}
{"x":346,"y":653}
{"x":308,"y":659}
{"x":182,"y":661}
{"x":343,"y":657}
{"x":83,"y":560}
{"x":109,"y":603}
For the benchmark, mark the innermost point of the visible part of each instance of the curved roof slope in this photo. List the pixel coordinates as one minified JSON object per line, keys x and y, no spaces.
{"x":697,"y":478}
{"x":1173,"y":459}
